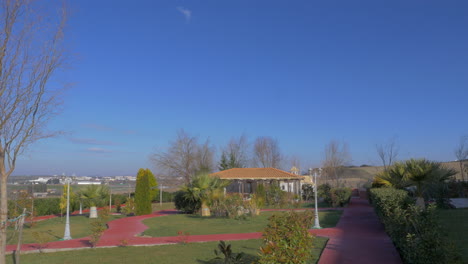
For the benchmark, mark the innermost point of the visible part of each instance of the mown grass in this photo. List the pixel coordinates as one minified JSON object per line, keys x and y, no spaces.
{"x":53,"y":229}
{"x":197,"y":225}
{"x":455,"y":223}
{"x":197,"y":253}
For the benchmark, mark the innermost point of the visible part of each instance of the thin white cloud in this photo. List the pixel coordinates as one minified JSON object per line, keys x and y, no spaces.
{"x":97,"y":127}
{"x":186,"y":12}
{"x":92,"y":141}
{"x":98,"y":150}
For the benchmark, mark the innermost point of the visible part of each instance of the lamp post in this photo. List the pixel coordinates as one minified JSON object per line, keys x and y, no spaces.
{"x":317,"y":222}
{"x":67,"y":235}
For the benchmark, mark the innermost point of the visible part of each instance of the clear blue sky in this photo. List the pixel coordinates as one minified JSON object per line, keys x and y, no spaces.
{"x":303,"y":72}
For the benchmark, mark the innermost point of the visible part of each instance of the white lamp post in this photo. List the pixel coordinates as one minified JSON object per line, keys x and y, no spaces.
{"x":317,"y":222}
{"x":67,"y":235}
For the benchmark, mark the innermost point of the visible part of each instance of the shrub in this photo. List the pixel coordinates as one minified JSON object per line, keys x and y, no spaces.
{"x":307,"y":192}
{"x":340,"y":196}
{"x":323,"y":192}
{"x":225,"y":253}
{"x":275,"y":196}
{"x":286,"y":238}
{"x":414,"y":231}
{"x":98,"y":226}
{"x":186,"y":205}
{"x":129,"y":206}
{"x":48,"y":206}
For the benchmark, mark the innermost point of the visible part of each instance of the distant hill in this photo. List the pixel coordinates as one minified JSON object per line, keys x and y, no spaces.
{"x":356,"y":177}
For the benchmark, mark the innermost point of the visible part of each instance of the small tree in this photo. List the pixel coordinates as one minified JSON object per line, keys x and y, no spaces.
{"x":144,"y":192}
{"x":461,"y":152}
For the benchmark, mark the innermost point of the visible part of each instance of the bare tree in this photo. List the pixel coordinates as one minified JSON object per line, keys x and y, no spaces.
{"x":336,"y":157}
{"x":267,"y":153}
{"x":461,"y":152}
{"x":235,"y":154}
{"x":388,"y":152}
{"x":30,"y":54}
{"x":185,"y":157}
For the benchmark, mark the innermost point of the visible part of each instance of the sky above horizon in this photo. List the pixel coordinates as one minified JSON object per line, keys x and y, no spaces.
{"x":302,"y":72}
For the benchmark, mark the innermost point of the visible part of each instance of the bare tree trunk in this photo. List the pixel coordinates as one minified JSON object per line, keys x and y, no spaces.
{"x":20,"y":236}
{"x":3,"y":208}
{"x":461,"y":170}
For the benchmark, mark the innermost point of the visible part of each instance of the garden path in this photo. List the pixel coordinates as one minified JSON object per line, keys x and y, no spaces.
{"x":360,"y":237}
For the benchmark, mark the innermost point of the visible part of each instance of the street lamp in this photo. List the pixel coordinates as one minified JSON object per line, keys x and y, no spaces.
{"x":67,"y":235}
{"x":317,"y":222}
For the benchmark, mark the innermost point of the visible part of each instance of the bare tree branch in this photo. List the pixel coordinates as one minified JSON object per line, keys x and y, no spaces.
{"x":30,"y":54}
{"x":336,"y":157}
{"x":267,"y":153}
{"x":388,"y":152}
{"x":461,"y":152}
{"x":184,"y":158}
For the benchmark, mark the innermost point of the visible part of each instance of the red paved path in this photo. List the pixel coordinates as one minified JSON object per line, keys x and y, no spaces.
{"x":358,"y":237}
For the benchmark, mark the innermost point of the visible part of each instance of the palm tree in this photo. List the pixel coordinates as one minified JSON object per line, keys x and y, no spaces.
{"x":203,"y":189}
{"x":395,"y":176}
{"x":427,"y":175}
{"x":94,"y":195}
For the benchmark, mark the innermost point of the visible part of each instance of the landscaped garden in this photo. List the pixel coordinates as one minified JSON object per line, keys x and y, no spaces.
{"x":198,"y":225}
{"x":53,"y":229}
{"x":196,"y":253}
{"x":412,"y":206}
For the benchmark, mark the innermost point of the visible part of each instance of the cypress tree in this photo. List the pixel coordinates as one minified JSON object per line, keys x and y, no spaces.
{"x":143,"y":193}
{"x":153,"y":184}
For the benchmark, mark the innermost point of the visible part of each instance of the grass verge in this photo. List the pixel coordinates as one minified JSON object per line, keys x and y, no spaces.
{"x":455,"y":223}
{"x":54,"y":228}
{"x":197,"y":253}
{"x":198,"y":225}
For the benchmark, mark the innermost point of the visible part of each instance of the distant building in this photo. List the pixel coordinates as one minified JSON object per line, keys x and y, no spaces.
{"x":246,"y":180}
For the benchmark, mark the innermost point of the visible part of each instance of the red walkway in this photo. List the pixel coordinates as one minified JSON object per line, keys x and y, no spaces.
{"x":358,"y":237}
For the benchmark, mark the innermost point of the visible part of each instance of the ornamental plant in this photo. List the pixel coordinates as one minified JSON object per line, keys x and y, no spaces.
{"x":286,"y":239}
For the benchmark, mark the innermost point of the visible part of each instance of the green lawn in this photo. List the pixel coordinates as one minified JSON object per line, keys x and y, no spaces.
{"x":455,"y":222}
{"x":197,"y":253}
{"x":198,"y":225}
{"x":54,"y":228}
{"x":165,"y":206}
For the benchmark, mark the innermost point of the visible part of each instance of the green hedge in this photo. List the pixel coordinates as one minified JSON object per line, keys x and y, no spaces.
{"x":336,"y":197}
{"x":414,"y":231}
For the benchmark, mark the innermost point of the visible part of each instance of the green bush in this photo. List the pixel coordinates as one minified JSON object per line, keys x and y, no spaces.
{"x":287,"y":239}
{"x":186,"y":205}
{"x":340,"y":196}
{"x":323,"y":192}
{"x":414,"y":231}
{"x":276,"y":197}
{"x":48,"y":206}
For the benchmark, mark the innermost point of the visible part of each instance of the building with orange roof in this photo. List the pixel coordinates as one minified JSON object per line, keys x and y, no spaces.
{"x":246,"y":180}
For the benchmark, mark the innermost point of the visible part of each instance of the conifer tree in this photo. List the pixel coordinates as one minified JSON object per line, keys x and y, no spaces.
{"x":143,"y":192}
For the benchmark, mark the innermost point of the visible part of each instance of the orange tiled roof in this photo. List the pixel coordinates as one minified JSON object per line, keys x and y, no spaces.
{"x":256,"y":173}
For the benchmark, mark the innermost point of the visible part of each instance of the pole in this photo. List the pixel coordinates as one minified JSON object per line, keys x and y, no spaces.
{"x":110,"y":199}
{"x":67,"y":236}
{"x":317,"y":223}
{"x":20,"y":235}
{"x":160,"y":195}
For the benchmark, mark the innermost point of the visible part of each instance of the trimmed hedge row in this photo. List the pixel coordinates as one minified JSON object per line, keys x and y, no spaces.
{"x":415,"y":232}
